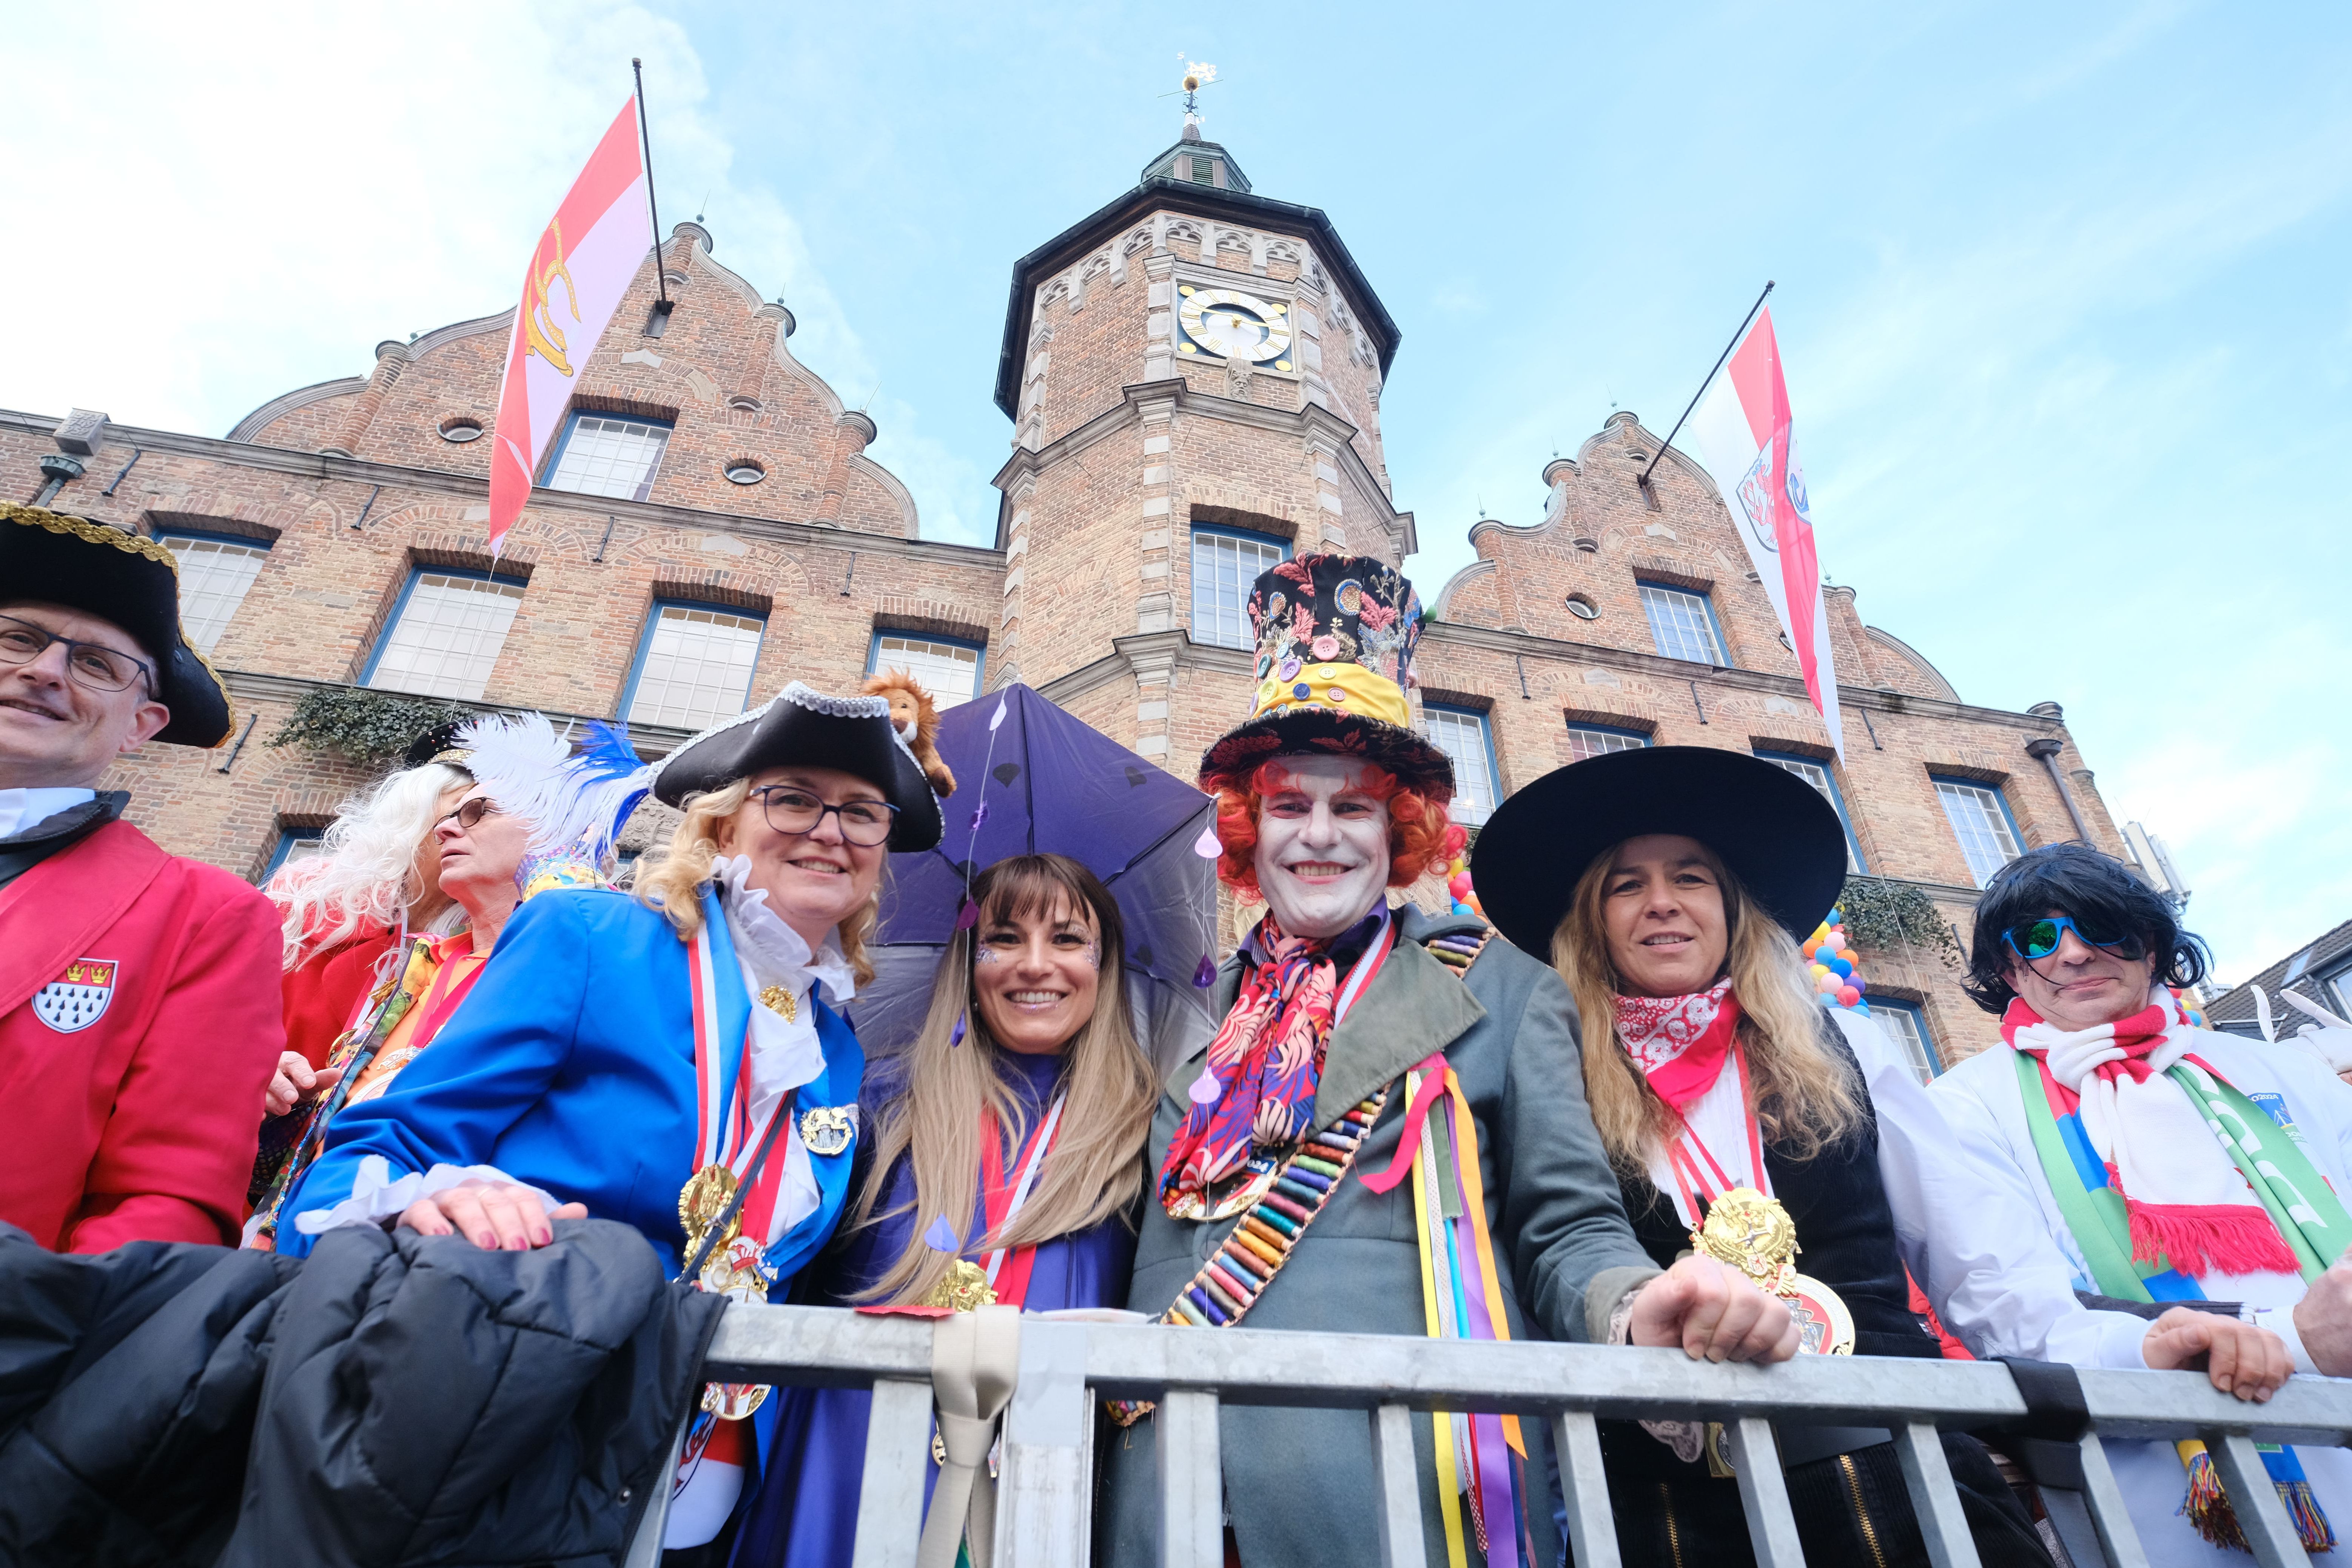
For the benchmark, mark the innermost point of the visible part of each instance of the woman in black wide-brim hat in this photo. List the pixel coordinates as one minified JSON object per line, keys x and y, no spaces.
{"x":1670,"y":886}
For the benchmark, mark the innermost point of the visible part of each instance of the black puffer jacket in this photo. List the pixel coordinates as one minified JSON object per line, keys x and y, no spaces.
{"x":394,"y":1399}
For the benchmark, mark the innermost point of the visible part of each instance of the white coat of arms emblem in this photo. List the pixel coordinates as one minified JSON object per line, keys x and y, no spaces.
{"x":78,"y":998}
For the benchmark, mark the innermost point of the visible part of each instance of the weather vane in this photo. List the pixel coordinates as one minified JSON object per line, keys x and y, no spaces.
{"x":1197,"y":75}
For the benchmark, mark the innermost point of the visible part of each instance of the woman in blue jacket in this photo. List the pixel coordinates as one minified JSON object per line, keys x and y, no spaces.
{"x":655,"y":1059}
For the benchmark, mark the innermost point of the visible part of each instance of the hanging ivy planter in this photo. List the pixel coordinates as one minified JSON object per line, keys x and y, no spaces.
{"x":360,"y":725}
{"x":1890,"y":916}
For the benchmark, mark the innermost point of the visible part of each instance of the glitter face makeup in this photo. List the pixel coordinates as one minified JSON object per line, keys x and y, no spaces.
{"x":1034,"y":978}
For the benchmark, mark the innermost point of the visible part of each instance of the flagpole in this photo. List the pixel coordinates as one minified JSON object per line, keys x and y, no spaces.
{"x":1645,"y":480}
{"x":645,"y":138}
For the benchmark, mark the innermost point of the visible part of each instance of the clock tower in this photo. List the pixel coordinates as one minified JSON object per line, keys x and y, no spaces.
{"x":1194,"y":374}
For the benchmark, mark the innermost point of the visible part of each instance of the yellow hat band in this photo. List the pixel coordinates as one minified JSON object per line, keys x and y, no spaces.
{"x":1340,"y":687}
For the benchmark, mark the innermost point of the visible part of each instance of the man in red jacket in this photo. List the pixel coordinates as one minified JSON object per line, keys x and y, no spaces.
{"x":139,"y":998}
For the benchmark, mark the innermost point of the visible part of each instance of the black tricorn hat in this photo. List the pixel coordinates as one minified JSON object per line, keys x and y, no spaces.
{"x":1774,"y":830}
{"x":116,"y":575}
{"x":438,"y":744}
{"x":805,"y":728}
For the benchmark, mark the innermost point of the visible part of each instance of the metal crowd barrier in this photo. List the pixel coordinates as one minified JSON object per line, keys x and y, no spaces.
{"x":1066,"y":1369}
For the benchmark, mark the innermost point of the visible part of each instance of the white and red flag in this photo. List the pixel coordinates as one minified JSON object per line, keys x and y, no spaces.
{"x":584,"y":262}
{"x":1743,"y":434}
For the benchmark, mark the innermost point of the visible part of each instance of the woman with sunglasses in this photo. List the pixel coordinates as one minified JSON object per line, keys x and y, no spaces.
{"x":2097,"y":1114}
{"x":675,"y":1060}
{"x":478,"y":850}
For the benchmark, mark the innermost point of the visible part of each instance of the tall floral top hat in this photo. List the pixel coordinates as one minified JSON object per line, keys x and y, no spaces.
{"x":1335,"y":640}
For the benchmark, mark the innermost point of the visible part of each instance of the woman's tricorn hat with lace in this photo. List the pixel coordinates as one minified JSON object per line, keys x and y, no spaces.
{"x":1336,"y":636}
{"x":802,"y":728}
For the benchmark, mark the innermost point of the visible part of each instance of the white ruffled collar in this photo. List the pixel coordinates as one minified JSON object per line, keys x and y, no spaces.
{"x":775,"y":951}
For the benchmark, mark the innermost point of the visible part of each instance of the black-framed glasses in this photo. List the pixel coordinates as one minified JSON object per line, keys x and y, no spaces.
{"x":2039,"y":939}
{"x":91,"y":665}
{"x":865,"y":823}
{"x":469,"y":815}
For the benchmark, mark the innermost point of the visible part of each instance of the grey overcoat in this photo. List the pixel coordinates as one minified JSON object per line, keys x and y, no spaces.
{"x":1299,"y":1483}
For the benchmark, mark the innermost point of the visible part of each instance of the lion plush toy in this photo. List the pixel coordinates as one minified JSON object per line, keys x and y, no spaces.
{"x":917,"y":720}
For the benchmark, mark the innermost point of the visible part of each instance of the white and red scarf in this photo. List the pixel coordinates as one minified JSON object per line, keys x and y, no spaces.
{"x":2185,"y":1198}
{"x":1679,"y":1042}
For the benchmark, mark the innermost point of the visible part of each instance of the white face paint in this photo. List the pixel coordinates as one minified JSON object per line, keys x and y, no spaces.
{"x":1322,"y":857}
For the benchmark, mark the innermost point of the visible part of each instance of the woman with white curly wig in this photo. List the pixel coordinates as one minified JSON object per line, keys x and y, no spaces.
{"x":348,"y":910}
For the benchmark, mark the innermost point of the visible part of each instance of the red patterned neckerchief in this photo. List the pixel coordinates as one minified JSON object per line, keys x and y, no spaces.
{"x":1679,"y":1042}
{"x":1255,"y":1094}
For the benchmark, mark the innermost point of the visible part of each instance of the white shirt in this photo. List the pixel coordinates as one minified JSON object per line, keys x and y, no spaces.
{"x":1981,"y":1105}
{"x":23,"y":808}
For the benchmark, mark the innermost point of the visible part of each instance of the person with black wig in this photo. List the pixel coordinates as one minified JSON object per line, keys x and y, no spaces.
{"x":2169,"y":1163}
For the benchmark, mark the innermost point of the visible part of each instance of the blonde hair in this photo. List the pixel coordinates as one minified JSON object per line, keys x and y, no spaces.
{"x":1095,"y":1168}
{"x":672,"y":883}
{"x":365,"y":871}
{"x":1805,"y":1096}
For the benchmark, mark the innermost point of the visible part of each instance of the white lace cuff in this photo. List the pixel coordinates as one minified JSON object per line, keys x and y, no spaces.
{"x":376,"y":1197}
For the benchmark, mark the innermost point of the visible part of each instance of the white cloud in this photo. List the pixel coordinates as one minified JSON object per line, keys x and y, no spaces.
{"x":211,"y":213}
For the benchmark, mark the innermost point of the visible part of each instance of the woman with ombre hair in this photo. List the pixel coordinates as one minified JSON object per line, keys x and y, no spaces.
{"x":1005,"y":1165}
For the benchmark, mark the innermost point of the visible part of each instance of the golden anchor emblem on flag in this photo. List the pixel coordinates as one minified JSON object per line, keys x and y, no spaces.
{"x":539,"y":331}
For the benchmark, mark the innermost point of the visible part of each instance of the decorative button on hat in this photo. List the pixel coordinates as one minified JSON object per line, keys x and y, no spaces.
{"x":1336,"y":636}
{"x":116,"y":575}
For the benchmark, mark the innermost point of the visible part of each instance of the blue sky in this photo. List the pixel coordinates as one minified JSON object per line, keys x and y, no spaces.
{"x":2062,"y":289}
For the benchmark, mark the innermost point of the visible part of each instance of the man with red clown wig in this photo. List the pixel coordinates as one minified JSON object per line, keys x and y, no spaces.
{"x":1388,"y":1133}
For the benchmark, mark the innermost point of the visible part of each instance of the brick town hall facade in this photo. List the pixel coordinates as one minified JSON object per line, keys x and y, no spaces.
{"x":1194,"y":376}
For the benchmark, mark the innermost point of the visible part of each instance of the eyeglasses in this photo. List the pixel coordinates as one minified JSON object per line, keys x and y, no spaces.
{"x":469,"y":815}
{"x":2039,"y":939}
{"x":91,"y":665}
{"x":865,"y":823}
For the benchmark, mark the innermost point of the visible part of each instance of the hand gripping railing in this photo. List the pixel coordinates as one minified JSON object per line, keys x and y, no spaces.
{"x":1067,"y":1368}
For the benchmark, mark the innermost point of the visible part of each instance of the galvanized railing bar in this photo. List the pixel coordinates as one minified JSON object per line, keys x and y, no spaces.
{"x":1764,"y":1493}
{"x":828,"y":1346}
{"x":1191,"y":1482}
{"x":1591,"y":1529}
{"x":1397,"y":1504}
{"x":816,"y":1347}
{"x":2110,"y":1515}
{"x":897,"y":1459}
{"x":1934,"y":1500}
{"x":2261,"y":1513}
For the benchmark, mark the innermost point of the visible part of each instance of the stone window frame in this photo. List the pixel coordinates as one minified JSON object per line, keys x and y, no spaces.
{"x":443,"y":563}
{"x":692,"y":599}
{"x":1780,"y":753}
{"x":1995,"y":785}
{"x":1705,"y":597}
{"x":1482,"y":717}
{"x":1199,"y":527}
{"x":979,"y":646}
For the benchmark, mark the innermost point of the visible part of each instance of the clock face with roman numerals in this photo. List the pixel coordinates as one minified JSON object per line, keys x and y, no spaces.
{"x":1225,"y":323}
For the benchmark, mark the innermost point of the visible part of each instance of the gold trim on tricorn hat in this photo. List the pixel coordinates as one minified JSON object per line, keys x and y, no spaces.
{"x":108,"y":571}
{"x":1336,"y":636}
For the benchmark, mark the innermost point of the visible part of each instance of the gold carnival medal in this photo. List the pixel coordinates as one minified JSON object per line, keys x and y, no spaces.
{"x":776,"y":999}
{"x":700,"y":1201}
{"x":962,"y":1289}
{"x":1754,"y":1233}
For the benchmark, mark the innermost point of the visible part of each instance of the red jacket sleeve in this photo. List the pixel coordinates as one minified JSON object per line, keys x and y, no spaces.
{"x":177,"y":1154}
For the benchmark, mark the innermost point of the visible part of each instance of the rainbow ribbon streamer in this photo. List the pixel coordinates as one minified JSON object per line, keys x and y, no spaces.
{"x":1482,"y":1458}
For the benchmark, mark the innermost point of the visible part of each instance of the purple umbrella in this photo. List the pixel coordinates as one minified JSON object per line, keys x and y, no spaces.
{"x":1030,"y":777}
